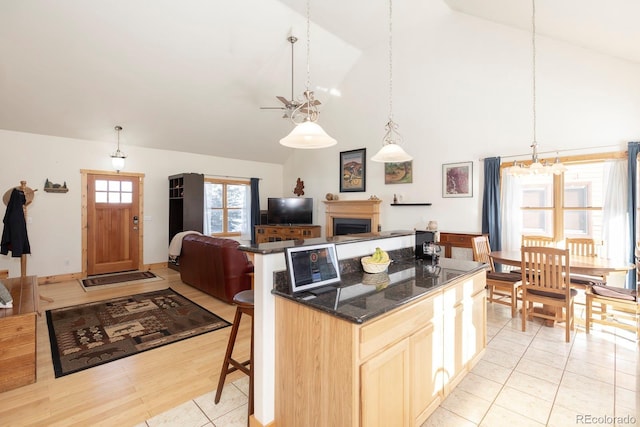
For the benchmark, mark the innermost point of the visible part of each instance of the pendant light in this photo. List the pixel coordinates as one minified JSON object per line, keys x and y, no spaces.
{"x":391,"y":151}
{"x":117,"y":158}
{"x":536,"y":167}
{"x":307,"y":133}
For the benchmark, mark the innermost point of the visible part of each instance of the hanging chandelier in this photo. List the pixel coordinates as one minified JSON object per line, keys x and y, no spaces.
{"x":117,"y":158}
{"x":391,"y":151}
{"x":307,"y":133}
{"x":536,"y":166}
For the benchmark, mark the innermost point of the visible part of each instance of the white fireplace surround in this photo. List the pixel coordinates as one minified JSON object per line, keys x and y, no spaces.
{"x":361,"y":209}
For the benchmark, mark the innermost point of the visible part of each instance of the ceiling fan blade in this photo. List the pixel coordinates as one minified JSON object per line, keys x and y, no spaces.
{"x":284,"y":100}
{"x":272,"y":108}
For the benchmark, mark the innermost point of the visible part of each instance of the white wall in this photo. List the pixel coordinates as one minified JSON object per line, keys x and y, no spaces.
{"x":462,"y":91}
{"x":54,"y":226}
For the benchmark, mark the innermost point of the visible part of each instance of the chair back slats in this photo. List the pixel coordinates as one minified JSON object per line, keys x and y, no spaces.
{"x":481,"y":250}
{"x":538,"y":241}
{"x":545,"y":269}
{"x":581,"y":246}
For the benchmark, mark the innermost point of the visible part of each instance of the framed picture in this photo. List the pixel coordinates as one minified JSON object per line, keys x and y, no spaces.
{"x":353,"y":170}
{"x":398,"y":173}
{"x":457,"y":179}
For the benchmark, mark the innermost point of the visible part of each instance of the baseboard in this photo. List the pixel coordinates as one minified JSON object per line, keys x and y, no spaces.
{"x":44,"y":280}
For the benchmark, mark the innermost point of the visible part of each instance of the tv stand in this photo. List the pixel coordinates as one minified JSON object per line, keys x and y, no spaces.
{"x":277,"y":233}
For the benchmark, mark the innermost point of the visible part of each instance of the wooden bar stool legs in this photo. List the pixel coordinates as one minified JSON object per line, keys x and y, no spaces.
{"x":244,"y":303}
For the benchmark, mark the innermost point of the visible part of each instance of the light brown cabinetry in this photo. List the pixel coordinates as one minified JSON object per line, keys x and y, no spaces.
{"x":277,"y":233}
{"x":392,"y":370}
{"x":18,"y":334}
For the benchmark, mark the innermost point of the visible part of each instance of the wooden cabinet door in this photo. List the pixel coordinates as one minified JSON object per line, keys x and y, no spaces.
{"x":476,"y":333}
{"x":454,"y":347}
{"x":385,"y":388}
{"x":426,"y":384}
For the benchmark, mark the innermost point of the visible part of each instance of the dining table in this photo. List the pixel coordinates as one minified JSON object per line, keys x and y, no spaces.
{"x":578,"y":264}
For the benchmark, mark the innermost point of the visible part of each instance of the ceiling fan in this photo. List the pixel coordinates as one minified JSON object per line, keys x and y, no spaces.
{"x":292,"y":107}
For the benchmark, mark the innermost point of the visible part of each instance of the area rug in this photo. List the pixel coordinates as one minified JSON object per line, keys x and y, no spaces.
{"x":117,"y":279}
{"x":87,"y":335}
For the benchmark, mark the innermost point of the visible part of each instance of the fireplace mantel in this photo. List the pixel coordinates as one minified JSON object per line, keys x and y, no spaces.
{"x":366,"y":209}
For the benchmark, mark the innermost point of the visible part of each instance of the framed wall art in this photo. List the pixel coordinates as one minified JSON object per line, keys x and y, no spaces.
{"x":353,"y":170}
{"x":457,"y":179}
{"x":398,"y":173}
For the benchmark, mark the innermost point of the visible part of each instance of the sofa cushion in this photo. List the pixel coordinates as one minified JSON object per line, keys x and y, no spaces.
{"x":215,"y":266}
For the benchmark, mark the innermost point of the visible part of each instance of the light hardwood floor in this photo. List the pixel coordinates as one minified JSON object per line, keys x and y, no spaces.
{"x":130,"y":390}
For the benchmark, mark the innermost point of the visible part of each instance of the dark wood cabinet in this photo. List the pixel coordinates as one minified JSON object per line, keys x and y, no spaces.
{"x":186,"y":205}
{"x":456,"y":240}
{"x":277,"y":233}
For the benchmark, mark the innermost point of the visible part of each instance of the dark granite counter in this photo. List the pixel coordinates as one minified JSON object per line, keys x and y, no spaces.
{"x":275,"y":247}
{"x":361,"y":296}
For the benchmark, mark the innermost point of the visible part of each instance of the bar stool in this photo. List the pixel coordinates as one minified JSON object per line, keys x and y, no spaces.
{"x":244,"y":303}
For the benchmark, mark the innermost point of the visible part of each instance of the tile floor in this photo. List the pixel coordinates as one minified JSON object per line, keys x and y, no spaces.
{"x":531,"y":378}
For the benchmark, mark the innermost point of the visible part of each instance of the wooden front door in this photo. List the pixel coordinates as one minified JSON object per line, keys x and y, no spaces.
{"x":113,"y":223}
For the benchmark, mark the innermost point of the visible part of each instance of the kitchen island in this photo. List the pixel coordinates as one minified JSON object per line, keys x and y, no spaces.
{"x":318,"y":363}
{"x":379,"y":354}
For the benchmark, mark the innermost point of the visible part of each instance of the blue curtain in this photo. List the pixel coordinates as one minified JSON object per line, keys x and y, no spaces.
{"x":255,"y":208}
{"x":491,"y":202}
{"x":632,"y":155}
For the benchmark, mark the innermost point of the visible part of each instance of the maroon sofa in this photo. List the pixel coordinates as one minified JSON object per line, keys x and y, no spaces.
{"x":215,"y":266}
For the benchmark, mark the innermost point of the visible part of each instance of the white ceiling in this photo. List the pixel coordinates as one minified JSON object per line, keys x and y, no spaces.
{"x":191,"y":75}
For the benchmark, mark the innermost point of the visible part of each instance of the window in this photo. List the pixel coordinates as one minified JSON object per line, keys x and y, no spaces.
{"x":227,"y":207}
{"x":113,"y":191}
{"x":570,"y":205}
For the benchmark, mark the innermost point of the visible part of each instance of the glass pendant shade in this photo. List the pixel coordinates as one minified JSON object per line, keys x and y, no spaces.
{"x":308,"y":134}
{"x":117,"y":160}
{"x":391,"y":153}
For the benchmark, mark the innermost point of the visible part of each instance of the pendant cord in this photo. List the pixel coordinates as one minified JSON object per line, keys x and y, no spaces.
{"x":308,"y":43}
{"x":533,"y":42}
{"x":390,"y":60}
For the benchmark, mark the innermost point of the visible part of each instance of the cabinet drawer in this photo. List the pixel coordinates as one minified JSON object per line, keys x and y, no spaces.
{"x":454,"y":238}
{"x":395,"y":326}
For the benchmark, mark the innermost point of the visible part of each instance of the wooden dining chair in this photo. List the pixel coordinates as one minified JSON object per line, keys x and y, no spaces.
{"x":545,"y":280}
{"x":615,"y":307}
{"x":503,"y":287}
{"x":542,"y":241}
{"x":581,"y":246}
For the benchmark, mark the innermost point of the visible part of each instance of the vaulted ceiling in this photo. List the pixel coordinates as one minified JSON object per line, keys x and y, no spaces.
{"x":191,"y":75}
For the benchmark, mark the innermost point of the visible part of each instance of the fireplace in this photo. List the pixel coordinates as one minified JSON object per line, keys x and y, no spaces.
{"x":342,"y":226}
{"x":346,"y":211}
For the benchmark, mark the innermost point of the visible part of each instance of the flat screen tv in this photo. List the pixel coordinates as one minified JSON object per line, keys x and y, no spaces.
{"x":290,"y":210}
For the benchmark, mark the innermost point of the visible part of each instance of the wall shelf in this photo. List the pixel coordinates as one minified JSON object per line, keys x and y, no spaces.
{"x":410,"y":204}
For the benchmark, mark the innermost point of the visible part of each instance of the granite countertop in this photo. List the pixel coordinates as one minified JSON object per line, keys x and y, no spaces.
{"x":275,"y":247}
{"x":361,"y":296}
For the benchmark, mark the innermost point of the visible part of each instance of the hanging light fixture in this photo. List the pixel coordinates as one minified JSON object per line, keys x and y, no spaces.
{"x":307,"y":133}
{"x":117,"y":158}
{"x":391,"y":150}
{"x":536,"y":167}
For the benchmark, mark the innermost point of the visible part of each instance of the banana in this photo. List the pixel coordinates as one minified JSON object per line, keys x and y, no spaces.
{"x":380,"y":256}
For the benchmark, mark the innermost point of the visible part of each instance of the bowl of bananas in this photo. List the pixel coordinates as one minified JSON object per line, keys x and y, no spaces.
{"x":376,"y":263}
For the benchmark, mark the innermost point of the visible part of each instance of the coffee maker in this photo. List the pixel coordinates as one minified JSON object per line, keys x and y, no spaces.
{"x":426,"y":246}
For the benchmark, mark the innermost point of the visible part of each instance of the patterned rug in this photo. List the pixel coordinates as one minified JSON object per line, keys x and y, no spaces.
{"x":115,"y":279}
{"x":87,"y":335}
